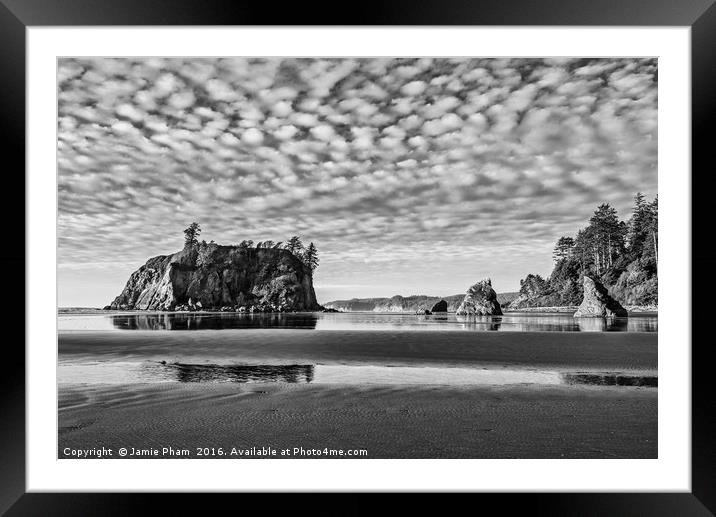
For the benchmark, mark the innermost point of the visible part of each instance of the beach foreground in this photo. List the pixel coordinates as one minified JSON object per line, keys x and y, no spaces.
{"x":386,"y":421}
{"x":392,"y":394}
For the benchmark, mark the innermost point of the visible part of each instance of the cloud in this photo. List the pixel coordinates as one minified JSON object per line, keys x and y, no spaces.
{"x":439,"y":126}
{"x":252,"y":136}
{"x":440,"y":107}
{"x":122,"y":127}
{"x":413,"y":88}
{"x":304,"y":119}
{"x":282,"y":109}
{"x":417,"y":141}
{"x":130,"y":112}
{"x":285,"y":132}
{"x":182,"y":100}
{"x":322,"y":132}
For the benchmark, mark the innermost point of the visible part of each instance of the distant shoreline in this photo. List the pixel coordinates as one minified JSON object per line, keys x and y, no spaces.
{"x":632,"y":309}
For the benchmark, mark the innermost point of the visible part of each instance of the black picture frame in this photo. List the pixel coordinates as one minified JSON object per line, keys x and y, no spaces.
{"x":17,"y":15}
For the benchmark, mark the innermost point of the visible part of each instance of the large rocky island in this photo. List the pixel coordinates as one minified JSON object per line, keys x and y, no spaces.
{"x":213,"y":277}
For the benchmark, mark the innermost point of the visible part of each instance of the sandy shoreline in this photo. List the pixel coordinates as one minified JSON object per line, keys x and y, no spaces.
{"x":387,"y":421}
{"x":602,"y":351}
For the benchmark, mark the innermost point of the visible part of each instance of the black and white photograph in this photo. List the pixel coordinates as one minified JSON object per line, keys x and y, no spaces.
{"x":357,"y":258}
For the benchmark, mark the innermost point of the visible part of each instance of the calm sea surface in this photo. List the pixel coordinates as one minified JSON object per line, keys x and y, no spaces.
{"x":511,"y":322}
{"x":115,"y":348}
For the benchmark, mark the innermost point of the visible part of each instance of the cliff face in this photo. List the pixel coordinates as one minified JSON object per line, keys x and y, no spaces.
{"x":221,"y":276}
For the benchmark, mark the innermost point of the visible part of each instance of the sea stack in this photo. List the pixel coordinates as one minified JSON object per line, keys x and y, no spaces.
{"x":440,"y":306}
{"x":597,"y":303}
{"x":229,"y":277}
{"x":480,"y":300}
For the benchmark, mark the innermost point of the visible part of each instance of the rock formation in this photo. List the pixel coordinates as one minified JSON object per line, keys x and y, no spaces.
{"x":441,"y":306}
{"x":221,"y":277}
{"x":480,"y":300}
{"x":597,"y":303}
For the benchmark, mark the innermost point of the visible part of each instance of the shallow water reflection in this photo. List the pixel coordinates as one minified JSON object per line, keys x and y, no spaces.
{"x":556,"y":323}
{"x":480,"y":322}
{"x":610,"y":379}
{"x":152,"y":372}
{"x":244,"y":373}
{"x":615,"y":324}
{"x":214,"y":321}
{"x":509,"y":322}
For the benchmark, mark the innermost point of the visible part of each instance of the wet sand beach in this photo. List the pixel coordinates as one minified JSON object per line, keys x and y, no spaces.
{"x":444,"y":417}
{"x":560,"y":350}
{"x":387,"y":421}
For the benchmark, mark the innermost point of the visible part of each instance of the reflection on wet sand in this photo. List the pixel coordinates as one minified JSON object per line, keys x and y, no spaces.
{"x":610,"y":379}
{"x":213,"y":321}
{"x":244,"y":373}
{"x":361,"y":375}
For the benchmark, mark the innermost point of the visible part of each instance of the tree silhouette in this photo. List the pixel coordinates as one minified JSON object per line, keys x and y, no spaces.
{"x":638,"y":225}
{"x":191,"y":235}
{"x":310,"y":257}
{"x":294,"y":245}
{"x":607,"y":237}
{"x":563,"y":248}
{"x":533,"y":285}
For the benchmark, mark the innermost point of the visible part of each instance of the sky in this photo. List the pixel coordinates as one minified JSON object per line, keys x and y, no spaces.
{"x":411,"y":176}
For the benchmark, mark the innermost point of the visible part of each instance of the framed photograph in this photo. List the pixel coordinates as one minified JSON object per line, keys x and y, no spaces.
{"x":425,"y":250}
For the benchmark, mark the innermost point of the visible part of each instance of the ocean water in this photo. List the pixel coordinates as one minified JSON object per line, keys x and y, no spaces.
{"x":356,"y":348}
{"x":511,"y":322}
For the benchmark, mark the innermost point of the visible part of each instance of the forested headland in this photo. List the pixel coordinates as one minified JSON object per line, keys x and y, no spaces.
{"x":622,"y":254}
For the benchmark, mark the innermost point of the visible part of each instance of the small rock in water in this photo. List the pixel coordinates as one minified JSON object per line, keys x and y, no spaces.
{"x":597,"y":303}
{"x":441,"y":306}
{"x":480,"y":300}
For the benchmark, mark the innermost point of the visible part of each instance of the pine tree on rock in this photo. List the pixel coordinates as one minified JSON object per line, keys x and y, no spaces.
{"x":294,"y":245}
{"x":191,"y":235}
{"x":310,"y":257}
{"x":563,"y":248}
